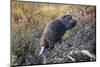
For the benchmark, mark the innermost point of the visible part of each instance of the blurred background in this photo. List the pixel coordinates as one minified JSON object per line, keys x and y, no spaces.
{"x":28,"y":20}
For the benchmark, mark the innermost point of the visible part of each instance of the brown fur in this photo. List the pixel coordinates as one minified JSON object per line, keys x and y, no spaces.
{"x":43,"y":40}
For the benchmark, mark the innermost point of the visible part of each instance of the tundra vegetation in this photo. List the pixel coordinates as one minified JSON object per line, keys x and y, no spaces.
{"x":28,"y":21}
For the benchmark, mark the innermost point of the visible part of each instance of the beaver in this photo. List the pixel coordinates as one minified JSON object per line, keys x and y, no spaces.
{"x":54,"y":31}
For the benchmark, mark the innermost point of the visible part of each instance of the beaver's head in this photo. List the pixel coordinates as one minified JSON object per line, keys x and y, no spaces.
{"x":69,"y":21}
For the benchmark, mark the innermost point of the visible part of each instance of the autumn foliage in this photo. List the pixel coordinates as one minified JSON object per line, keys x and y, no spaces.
{"x":28,"y":19}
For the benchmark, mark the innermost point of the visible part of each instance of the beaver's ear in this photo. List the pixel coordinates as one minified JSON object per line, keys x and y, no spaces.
{"x":63,"y":16}
{"x":67,"y":17}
